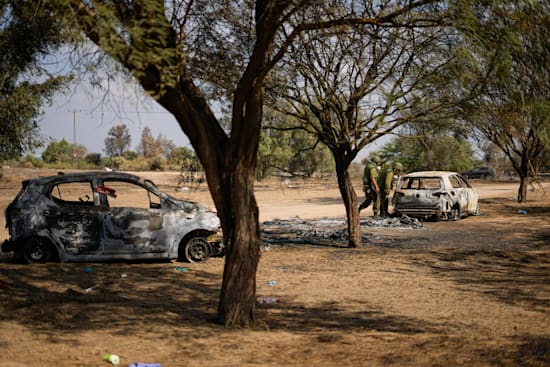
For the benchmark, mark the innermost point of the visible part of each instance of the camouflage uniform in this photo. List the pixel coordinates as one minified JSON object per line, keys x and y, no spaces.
{"x":385,"y":183}
{"x":370,"y":187}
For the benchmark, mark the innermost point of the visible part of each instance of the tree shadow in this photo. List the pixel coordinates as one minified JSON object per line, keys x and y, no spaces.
{"x":58,"y":300}
{"x":527,"y":350}
{"x":512,"y":275}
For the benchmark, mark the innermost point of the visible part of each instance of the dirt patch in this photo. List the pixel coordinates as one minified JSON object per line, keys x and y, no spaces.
{"x":475,"y":292}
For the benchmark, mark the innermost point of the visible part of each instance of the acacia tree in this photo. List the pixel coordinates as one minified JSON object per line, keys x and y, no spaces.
{"x":118,"y":140}
{"x":295,"y":153}
{"x":351,"y":87}
{"x":508,"y":46}
{"x":421,"y":147}
{"x":184,"y":53}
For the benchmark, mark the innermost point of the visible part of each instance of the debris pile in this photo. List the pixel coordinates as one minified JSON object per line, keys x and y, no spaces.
{"x":324,"y":231}
{"x":394,"y":222}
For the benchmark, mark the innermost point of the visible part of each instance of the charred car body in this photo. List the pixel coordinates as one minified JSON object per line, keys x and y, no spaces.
{"x":96,"y":216}
{"x":435,"y":195}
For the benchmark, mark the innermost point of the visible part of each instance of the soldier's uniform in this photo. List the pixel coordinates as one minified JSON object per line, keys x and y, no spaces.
{"x":370,"y":186}
{"x":385,"y":183}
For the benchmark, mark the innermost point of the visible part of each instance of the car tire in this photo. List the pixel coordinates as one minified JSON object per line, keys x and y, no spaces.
{"x":196,"y":250}
{"x":37,"y":250}
{"x":455,"y":213}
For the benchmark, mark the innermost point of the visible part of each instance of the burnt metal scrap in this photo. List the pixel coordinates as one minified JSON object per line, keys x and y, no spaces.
{"x":82,"y":217}
{"x":325,"y":231}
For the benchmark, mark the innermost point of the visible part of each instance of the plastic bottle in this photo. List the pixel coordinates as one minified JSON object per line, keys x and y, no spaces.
{"x":263,"y":300}
{"x":112,"y":358}
{"x":271,"y":282}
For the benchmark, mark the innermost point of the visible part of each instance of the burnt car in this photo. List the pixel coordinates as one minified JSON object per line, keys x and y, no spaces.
{"x":435,"y":195}
{"x":95,"y":216}
{"x":485,"y":173}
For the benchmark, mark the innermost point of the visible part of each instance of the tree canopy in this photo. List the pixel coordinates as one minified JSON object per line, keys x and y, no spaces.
{"x":27,"y":33}
{"x":505,"y":57}
{"x":118,"y":140}
{"x":350,"y":86}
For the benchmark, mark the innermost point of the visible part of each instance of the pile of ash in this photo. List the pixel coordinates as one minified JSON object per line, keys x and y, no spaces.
{"x":324,"y":231}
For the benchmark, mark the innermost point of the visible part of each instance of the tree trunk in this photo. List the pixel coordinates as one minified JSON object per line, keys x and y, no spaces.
{"x":522,"y":191}
{"x":238,"y":294}
{"x":230,"y":173}
{"x":350,"y":202}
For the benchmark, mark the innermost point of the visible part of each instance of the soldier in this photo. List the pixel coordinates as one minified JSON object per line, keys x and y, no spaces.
{"x":370,"y":186}
{"x":385,"y":183}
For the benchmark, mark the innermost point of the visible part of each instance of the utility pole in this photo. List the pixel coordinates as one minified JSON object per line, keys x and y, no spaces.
{"x":74,"y":124}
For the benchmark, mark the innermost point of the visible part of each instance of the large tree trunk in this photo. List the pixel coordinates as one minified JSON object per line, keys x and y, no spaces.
{"x":238,"y":294}
{"x":523,"y":172}
{"x":350,"y":201}
{"x":229,"y":170}
{"x":522,"y":191}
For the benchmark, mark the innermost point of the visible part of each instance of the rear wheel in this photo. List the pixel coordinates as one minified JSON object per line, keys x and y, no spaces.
{"x":197,"y":249}
{"x":37,"y":250}
{"x":455,"y":213}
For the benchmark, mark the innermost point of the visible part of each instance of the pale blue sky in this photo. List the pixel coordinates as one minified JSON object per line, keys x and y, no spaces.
{"x":87,"y":114}
{"x":94,"y":116}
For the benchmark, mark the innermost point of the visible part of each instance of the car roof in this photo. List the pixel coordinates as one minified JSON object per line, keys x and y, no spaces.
{"x":76,"y":176}
{"x":430,"y":174}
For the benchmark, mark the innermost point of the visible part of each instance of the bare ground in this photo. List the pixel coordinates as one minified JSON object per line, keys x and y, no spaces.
{"x":470,"y":293}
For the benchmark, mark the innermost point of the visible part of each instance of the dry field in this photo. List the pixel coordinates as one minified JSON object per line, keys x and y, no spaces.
{"x":470,"y":293}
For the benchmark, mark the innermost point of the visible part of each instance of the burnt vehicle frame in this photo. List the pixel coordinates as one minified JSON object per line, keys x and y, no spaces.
{"x":435,"y":195}
{"x":76,"y":217}
{"x":483,"y":172}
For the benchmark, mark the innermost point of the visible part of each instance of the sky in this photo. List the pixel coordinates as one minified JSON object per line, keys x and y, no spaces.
{"x":86,"y":115}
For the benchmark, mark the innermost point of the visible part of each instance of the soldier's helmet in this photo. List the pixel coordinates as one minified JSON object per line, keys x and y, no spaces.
{"x":397,"y":166}
{"x":375,"y":159}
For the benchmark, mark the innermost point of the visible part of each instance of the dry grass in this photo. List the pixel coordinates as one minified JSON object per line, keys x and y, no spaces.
{"x":467,"y":293}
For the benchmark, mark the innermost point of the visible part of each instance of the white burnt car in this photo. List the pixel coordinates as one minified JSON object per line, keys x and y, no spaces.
{"x":435,"y":195}
{"x":96,"y":216}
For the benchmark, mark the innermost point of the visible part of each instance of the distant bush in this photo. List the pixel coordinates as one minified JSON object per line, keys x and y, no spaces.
{"x":30,"y":161}
{"x":93,"y":158}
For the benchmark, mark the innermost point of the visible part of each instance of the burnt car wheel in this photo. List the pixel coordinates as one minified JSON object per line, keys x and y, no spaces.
{"x":455,"y":213}
{"x":477,"y":212}
{"x":197,"y":249}
{"x":37,"y":250}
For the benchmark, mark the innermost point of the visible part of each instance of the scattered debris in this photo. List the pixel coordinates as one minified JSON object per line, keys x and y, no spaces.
{"x":325,"y":231}
{"x":265,"y":300}
{"x":522,"y":211}
{"x":403,"y":221}
{"x":182,"y":269}
{"x":271,"y":282}
{"x":89,"y":289}
{"x":112,"y":358}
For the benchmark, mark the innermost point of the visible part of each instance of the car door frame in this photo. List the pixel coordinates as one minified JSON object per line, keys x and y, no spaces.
{"x":131,"y":230}
{"x":75,"y":226}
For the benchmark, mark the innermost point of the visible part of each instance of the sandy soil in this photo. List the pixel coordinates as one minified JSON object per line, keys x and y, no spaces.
{"x":470,"y":293}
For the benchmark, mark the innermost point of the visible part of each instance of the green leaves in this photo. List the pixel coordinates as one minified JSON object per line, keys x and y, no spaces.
{"x":27,"y":33}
